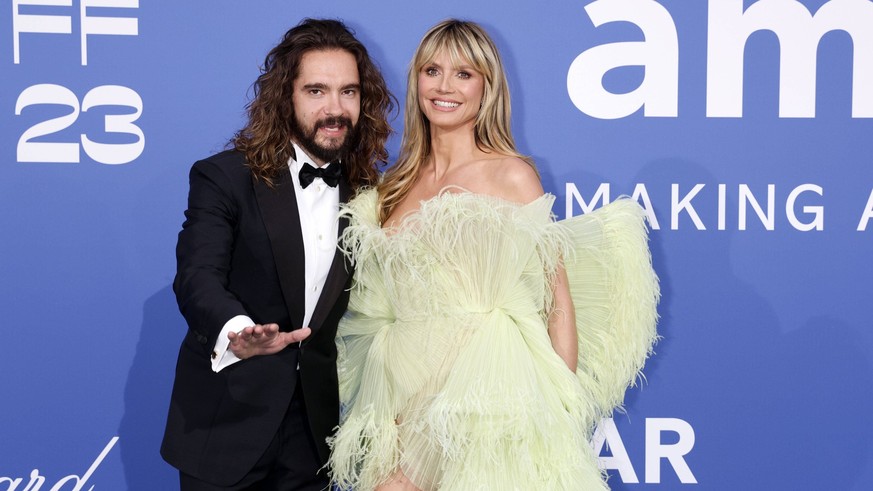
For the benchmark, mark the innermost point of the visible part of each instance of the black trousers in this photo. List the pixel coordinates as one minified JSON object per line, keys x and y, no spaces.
{"x":290,"y":462}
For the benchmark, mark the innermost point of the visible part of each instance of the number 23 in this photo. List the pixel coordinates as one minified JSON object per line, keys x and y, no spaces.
{"x":105,"y":153}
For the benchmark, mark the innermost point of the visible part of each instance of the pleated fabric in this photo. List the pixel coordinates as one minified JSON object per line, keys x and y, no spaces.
{"x":445,"y":364}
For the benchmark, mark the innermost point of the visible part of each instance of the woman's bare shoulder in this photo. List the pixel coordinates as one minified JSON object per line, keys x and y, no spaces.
{"x":513,"y":179}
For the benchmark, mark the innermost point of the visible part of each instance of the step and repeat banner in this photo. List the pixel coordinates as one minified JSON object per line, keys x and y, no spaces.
{"x":744,"y":127}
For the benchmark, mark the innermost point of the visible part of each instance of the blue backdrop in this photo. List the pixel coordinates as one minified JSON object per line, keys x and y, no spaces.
{"x":744,"y":127}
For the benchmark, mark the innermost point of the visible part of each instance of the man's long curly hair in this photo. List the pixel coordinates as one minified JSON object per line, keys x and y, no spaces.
{"x":266,"y":138}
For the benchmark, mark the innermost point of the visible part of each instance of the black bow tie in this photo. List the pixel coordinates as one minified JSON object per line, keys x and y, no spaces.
{"x":330,"y":174}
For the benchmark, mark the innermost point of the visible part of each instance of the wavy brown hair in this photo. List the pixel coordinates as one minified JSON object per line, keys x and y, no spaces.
{"x":266,"y":138}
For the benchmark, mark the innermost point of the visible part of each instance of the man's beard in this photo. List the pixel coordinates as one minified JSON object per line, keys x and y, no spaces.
{"x":306,"y":138}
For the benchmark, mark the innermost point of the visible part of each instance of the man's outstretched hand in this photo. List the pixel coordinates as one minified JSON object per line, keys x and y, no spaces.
{"x":263,"y":340}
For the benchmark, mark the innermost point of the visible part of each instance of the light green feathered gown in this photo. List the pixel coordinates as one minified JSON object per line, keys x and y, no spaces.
{"x":445,"y":364}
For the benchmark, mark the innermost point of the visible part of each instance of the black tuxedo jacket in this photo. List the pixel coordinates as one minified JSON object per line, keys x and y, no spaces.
{"x":240,"y":251}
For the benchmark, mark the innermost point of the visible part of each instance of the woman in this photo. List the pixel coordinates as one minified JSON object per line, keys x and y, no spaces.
{"x":460,"y":363}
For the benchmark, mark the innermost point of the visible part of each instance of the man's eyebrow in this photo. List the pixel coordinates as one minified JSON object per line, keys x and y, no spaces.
{"x":323,"y":86}
{"x":315,"y":86}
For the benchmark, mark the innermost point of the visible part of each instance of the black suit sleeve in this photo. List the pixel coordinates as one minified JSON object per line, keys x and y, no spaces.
{"x":204,"y":251}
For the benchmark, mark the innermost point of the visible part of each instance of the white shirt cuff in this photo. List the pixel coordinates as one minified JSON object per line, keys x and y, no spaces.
{"x":221,"y":356}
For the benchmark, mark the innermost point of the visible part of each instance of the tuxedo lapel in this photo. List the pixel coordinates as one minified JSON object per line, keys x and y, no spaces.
{"x":281,"y":218}
{"x":339,"y":269}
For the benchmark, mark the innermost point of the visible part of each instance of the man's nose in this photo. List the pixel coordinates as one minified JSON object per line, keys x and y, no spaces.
{"x":333,"y":105}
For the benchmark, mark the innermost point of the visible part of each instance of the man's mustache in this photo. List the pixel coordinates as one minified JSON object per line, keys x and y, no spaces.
{"x":333,"y":121}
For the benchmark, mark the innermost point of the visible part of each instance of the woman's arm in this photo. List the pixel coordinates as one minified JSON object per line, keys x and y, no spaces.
{"x":562,"y":322}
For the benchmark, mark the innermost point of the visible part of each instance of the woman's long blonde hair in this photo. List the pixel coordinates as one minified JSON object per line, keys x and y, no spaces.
{"x":464,"y":42}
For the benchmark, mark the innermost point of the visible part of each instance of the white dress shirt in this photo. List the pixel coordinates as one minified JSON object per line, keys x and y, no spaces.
{"x":318,"y":206}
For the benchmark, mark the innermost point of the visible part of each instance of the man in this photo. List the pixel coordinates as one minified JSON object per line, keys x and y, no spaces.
{"x":260,"y":280}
